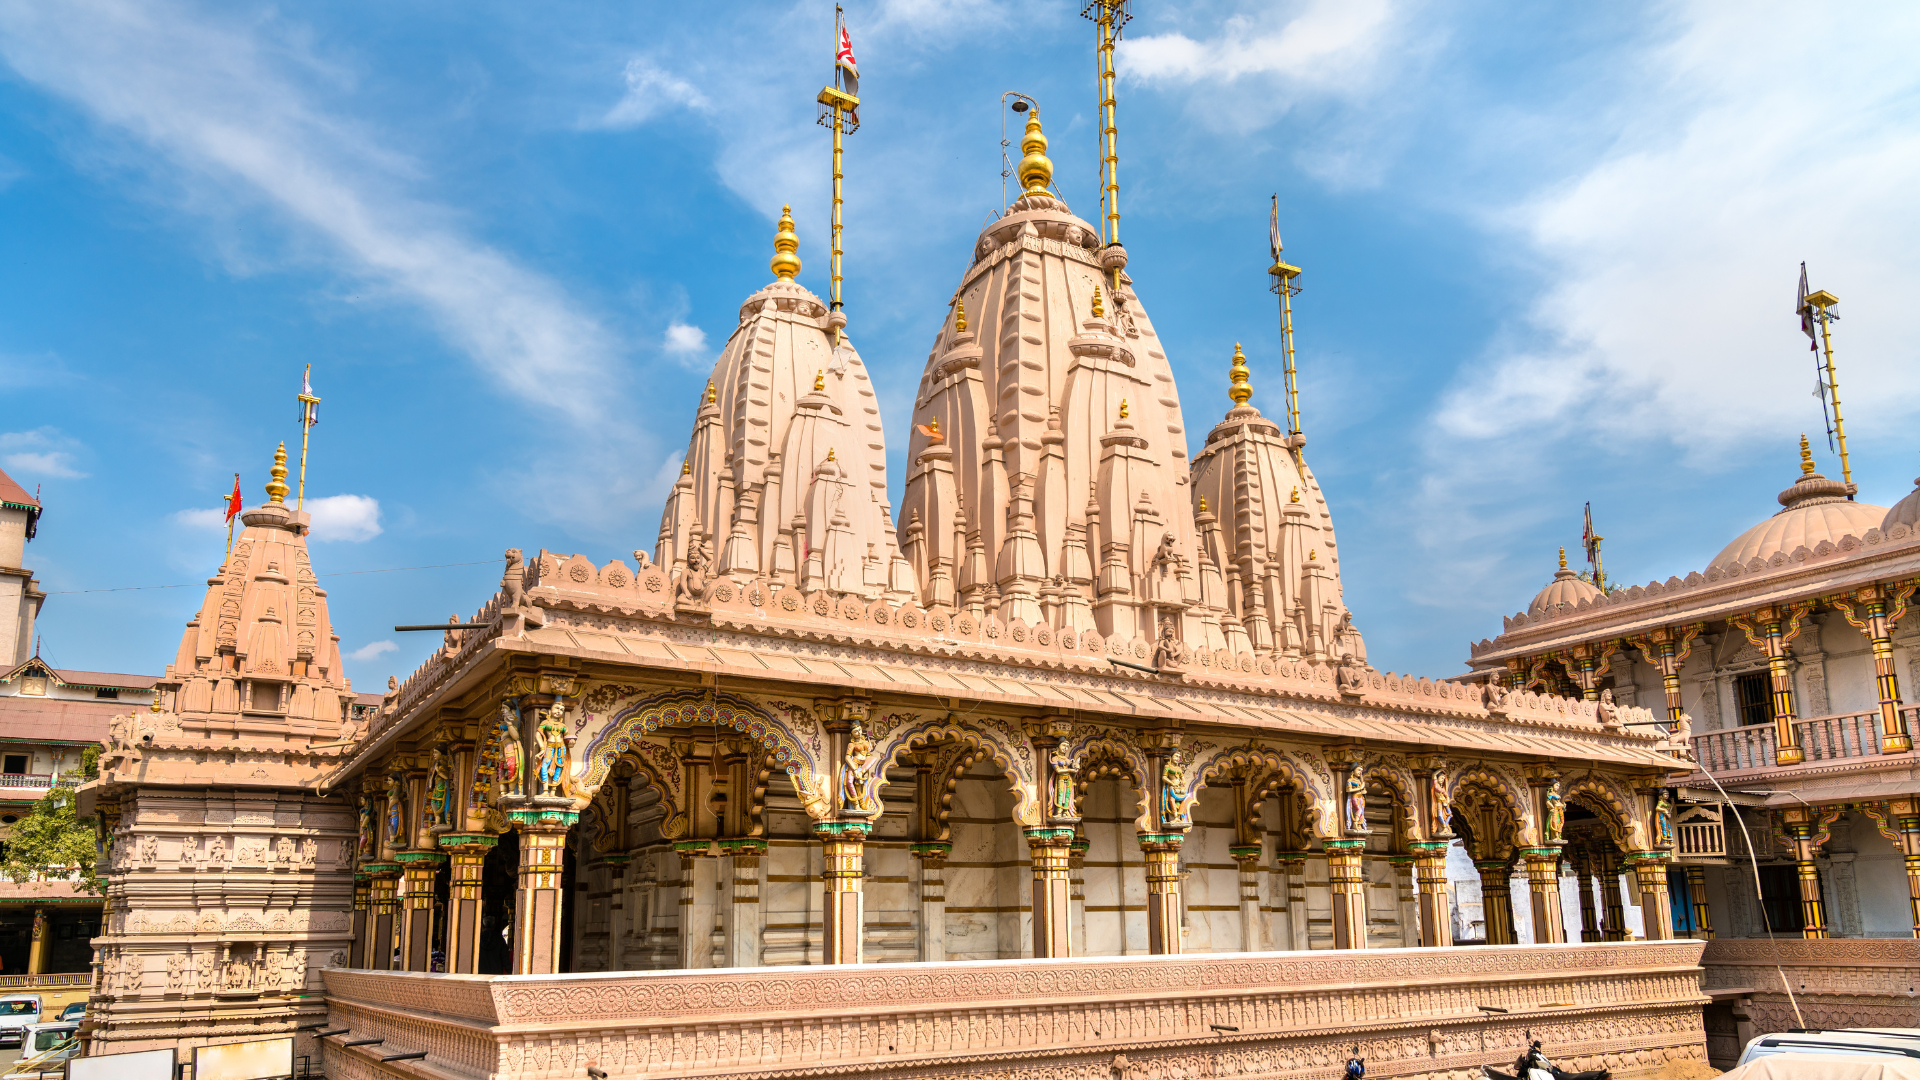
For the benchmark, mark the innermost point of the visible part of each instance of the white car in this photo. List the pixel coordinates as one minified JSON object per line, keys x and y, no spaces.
{"x":16,"y":1012}
{"x":1852,"y":1042}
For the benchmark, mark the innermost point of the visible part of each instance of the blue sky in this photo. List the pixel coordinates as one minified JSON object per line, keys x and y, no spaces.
{"x":1550,"y":254}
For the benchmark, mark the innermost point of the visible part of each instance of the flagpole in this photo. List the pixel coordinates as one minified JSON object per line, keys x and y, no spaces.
{"x":838,"y":106}
{"x":1821,"y":302}
{"x":227,"y":501}
{"x":1283,"y":275}
{"x":307,"y":402}
{"x":1110,"y":18}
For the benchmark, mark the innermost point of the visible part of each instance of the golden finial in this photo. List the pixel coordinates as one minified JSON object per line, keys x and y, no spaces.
{"x":829,"y":453}
{"x":686,"y":468}
{"x":277,"y":487}
{"x":1295,"y":497}
{"x":1241,"y":391}
{"x":820,"y":379}
{"x":1123,"y":408}
{"x":934,"y":426}
{"x":1099,"y":305}
{"x":1312,"y":554}
{"x":1563,"y":558}
{"x":712,"y":395}
{"x":1203,"y":504}
{"x":959,"y":315}
{"x":785,"y":264}
{"x":1806,"y":456}
{"x":1036,"y":171}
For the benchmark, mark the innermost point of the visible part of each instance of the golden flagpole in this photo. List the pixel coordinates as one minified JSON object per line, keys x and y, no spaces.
{"x":1283,"y":275}
{"x":837,"y":113}
{"x":1109,"y":19}
{"x":307,"y":420}
{"x":1821,"y":304}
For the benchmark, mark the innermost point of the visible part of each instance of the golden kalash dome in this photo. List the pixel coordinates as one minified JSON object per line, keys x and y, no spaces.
{"x":1567,"y":588}
{"x":1814,"y":509}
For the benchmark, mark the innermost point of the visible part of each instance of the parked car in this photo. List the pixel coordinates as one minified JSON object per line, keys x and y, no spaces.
{"x":16,"y":1012}
{"x":45,"y":1050}
{"x":1887,"y":1043}
{"x":74,"y":1012}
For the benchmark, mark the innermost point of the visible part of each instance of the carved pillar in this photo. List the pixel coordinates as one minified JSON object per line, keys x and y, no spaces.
{"x":699,"y":888}
{"x":1347,"y":878}
{"x":537,"y":901}
{"x":362,"y":902}
{"x":843,"y":905}
{"x":1589,"y":918}
{"x":1292,"y":866}
{"x":1616,"y":924}
{"x":1052,"y":891}
{"x":619,"y":914}
{"x":1406,"y":903}
{"x":1077,"y":880}
{"x":1665,"y":649}
{"x":741,"y":861}
{"x":469,"y":854}
{"x":932,"y":857}
{"x":1800,"y":822}
{"x":1247,"y":858}
{"x":416,"y":907}
{"x":1771,"y":629}
{"x":1882,"y":608}
{"x":380,"y":941}
{"x":37,"y":950}
{"x":1697,"y":892}
{"x":1435,"y":903}
{"x":1162,"y":852}
{"x":1543,"y":893}
{"x":1906,"y":816}
{"x":1496,"y":900}
{"x":1656,"y":905}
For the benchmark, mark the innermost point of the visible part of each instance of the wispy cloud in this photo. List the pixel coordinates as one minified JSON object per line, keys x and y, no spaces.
{"x":650,"y":92}
{"x":42,"y":452}
{"x":351,"y":518}
{"x":685,"y":343}
{"x":229,"y":103}
{"x":373,"y":650}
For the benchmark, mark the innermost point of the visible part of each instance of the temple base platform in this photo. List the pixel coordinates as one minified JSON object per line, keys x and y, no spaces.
{"x":1632,"y":1007}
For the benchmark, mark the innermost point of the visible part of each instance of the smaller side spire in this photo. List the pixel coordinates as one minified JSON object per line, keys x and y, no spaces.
{"x":1241,"y":391}
{"x":1123,"y":408}
{"x":820,"y":379}
{"x":1099,"y":305}
{"x":785,"y":263}
{"x":1036,"y":169}
{"x":1563,"y":558}
{"x":712,"y":394}
{"x":1806,"y":456}
{"x":277,"y":487}
{"x":959,"y":315}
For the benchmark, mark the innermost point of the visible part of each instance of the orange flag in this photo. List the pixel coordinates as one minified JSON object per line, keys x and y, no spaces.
{"x":233,"y":501}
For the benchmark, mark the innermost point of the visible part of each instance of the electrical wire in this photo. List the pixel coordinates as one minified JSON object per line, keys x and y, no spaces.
{"x":342,"y":573}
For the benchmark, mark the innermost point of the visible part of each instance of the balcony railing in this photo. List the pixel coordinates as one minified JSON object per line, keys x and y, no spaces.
{"x":1822,"y":738}
{"x":26,"y":780}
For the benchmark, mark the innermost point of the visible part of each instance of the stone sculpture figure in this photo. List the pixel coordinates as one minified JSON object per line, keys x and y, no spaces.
{"x":552,"y":749}
{"x":440,"y":788}
{"x":1173,"y":795}
{"x":396,"y":812}
{"x":309,"y":852}
{"x":1556,"y":817}
{"x":217,"y":851}
{"x":853,"y":777}
{"x":1351,"y":676}
{"x":176,"y":972}
{"x":1063,"y":770}
{"x":1496,"y":692}
{"x":203,"y":969}
{"x":1437,"y":802}
{"x":366,"y":827}
{"x":512,"y":769}
{"x":1680,"y":739}
{"x":1356,"y":801}
{"x":283,"y":850}
{"x":1663,"y":819}
{"x":1608,"y":712}
{"x":692,"y":583}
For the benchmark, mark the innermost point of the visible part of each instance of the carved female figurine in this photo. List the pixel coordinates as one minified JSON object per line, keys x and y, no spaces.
{"x":1356,"y":801}
{"x":366,"y":827}
{"x":1556,"y":816}
{"x":553,"y":748}
{"x":396,"y":813}
{"x":1437,"y":801}
{"x":853,"y":778}
{"x":1663,"y":819}
{"x":1173,"y":795}
{"x":513,"y":754}
{"x":1062,"y":764}
{"x":440,"y":789}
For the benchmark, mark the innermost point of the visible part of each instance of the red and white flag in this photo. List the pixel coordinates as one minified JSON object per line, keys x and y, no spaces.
{"x":846,"y":70}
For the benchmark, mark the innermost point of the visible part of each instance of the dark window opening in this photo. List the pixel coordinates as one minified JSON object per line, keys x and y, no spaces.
{"x":106,"y":692}
{"x":1780,"y":896}
{"x":1753,"y":695}
{"x":13,"y":764}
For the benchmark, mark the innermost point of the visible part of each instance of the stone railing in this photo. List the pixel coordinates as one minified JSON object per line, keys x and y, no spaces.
{"x":1837,"y":982}
{"x":1822,"y":738}
{"x":1630,"y":1006}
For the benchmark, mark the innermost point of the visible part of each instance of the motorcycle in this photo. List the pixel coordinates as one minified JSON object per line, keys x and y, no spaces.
{"x":1533,"y":1065}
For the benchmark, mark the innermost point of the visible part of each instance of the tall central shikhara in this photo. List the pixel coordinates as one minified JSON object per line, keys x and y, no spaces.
{"x":1109,"y":18}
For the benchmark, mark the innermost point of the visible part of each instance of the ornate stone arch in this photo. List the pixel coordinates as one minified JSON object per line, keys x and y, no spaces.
{"x":619,"y":738}
{"x":1014,"y":760}
{"x":1100,"y":755}
{"x":1274,"y":770}
{"x":1611,"y":804}
{"x":1502,"y":788}
{"x":949,"y":768}
{"x":1390,"y":772}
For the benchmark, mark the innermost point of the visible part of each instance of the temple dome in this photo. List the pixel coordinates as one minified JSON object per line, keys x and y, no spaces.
{"x":1812,"y":510}
{"x":1566,"y":588}
{"x":1905,"y":512}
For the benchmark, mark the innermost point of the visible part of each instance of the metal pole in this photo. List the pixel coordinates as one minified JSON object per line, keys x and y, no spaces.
{"x":839,"y":116}
{"x":1833,"y":386}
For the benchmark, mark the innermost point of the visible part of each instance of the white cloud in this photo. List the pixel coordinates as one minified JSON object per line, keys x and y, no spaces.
{"x":202,"y":519}
{"x":685,"y":342}
{"x":351,"y":518}
{"x":651,"y":91}
{"x":1330,"y":45}
{"x":372,"y":650}
{"x":1756,"y":140}
{"x":222,"y":102}
{"x":41,"y":452}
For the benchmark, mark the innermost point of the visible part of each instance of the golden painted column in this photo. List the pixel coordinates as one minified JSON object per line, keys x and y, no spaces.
{"x":843,"y":904}
{"x":1496,"y":900}
{"x":417,"y":870}
{"x":1589,"y":917}
{"x":37,"y":952}
{"x":469,"y":854}
{"x":362,"y":903}
{"x":1656,"y":903}
{"x":1800,"y":822}
{"x":1771,"y":629}
{"x":1906,"y":815}
{"x":1697,"y":891}
{"x":537,"y":900}
{"x":381,"y":939}
{"x":1435,"y":903}
{"x":1162,"y":851}
{"x":1348,"y":879}
{"x":1052,"y":891}
{"x":1543,"y":894}
{"x":1883,"y":606}
{"x":1616,"y":924}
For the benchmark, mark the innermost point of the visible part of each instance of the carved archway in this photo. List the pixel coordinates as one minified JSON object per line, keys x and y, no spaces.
{"x":1100,"y":756}
{"x":629,"y":728}
{"x":1606,"y":801}
{"x":1014,"y":761}
{"x":1476,"y":790}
